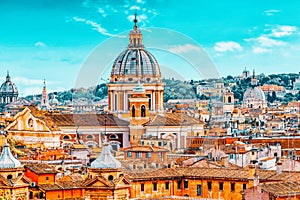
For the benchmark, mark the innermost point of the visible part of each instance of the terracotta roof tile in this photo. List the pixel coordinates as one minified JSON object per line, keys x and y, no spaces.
{"x":173,"y":119}
{"x":86,"y":120}
{"x":41,"y":168}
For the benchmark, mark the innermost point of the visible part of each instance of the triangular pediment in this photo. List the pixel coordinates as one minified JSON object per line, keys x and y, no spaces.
{"x":121,"y":181}
{"x":25,"y":121}
{"x":21,"y":181}
{"x":98,"y":181}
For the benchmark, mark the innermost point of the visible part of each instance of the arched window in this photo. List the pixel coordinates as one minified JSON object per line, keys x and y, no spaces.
{"x":143,"y":111}
{"x":66,"y":137}
{"x":90,"y":137}
{"x":113,"y":137}
{"x":133,"y":111}
{"x":229,"y":99}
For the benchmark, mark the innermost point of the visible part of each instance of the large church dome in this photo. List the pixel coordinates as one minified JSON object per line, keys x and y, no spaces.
{"x":135,"y":64}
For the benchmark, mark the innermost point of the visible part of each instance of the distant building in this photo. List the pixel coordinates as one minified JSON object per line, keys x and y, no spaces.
{"x":245,"y":74}
{"x":44,"y":100}
{"x":269,"y":89}
{"x":214,"y":88}
{"x":254,"y":97}
{"x":8,"y":91}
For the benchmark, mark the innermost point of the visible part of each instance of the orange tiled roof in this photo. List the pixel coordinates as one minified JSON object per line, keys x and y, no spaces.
{"x":86,"y":120}
{"x":282,"y":188}
{"x":173,"y":119}
{"x":294,"y":104}
{"x":268,"y":88}
{"x":41,"y":168}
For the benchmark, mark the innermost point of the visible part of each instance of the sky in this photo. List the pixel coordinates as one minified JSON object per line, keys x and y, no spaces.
{"x":73,"y":43}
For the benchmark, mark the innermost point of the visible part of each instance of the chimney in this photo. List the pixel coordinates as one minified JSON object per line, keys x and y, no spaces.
{"x":253,"y":175}
{"x":224,"y":161}
{"x":278,"y":168}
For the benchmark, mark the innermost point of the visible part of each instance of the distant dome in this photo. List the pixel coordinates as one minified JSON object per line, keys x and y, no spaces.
{"x":254,"y":93}
{"x":7,"y":160}
{"x":254,"y":98}
{"x":106,"y":160}
{"x":135,"y":64}
{"x":8,"y":91}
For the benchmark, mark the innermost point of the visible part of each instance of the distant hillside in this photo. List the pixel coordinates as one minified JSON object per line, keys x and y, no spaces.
{"x":177,"y":89}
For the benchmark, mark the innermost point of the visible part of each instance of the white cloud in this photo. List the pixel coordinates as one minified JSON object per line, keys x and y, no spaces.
{"x":101,"y":10}
{"x":40,"y":44}
{"x":265,"y":41}
{"x":184,"y":48}
{"x":268,"y":42}
{"x":95,"y":26}
{"x":281,"y":31}
{"x":135,"y":8}
{"x":271,"y":12}
{"x":260,"y":50}
{"x":227,"y":46}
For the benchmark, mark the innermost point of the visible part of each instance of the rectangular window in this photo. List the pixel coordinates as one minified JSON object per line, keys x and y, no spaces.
{"x":138,"y":154}
{"x":244,"y":186}
{"x":148,"y":155}
{"x":232,"y":187}
{"x":159,"y":154}
{"x":186,"y":184}
{"x":221,"y":186}
{"x":154,"y":186}
{"x":129,"y":154}
{"x":142,"y":187}
{"x":116,"y":102}
{"x":199,"y":190}
{"x":209,"y":185}
{"x":167,"y":185}
{"x":179,"y":184}
{"x":159,"y":144}
{"x":47,"y":178}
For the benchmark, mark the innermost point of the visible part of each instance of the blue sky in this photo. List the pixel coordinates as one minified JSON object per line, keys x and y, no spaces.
{"x":53,"y":39}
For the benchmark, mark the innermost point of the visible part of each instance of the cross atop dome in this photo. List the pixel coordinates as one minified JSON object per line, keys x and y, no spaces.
{"x":7,"y":76}
{"x":135,"y":21}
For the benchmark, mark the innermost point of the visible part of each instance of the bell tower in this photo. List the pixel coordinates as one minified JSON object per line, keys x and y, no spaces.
{"x":44,"y":100}
{"x":139,"y":113}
